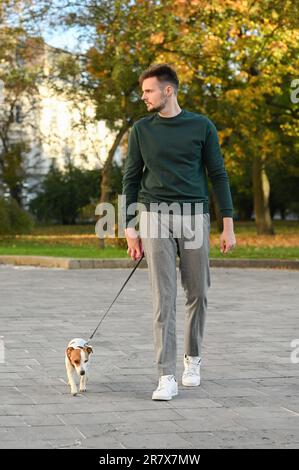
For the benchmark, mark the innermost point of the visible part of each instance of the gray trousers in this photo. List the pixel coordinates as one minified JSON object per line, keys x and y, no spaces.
{"x":161,"y":252}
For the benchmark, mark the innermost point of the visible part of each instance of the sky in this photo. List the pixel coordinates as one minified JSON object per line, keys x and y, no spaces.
{"x":65,"y":39}
{"x":57,"y":36}
{"x":62,"y":39}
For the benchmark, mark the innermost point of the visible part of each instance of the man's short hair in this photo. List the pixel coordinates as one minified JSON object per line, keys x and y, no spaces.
{"x":163,"y":72}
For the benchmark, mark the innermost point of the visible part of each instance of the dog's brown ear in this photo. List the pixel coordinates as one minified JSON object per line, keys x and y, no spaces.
{"x":89,"y":349}
{"x":68,"y":351}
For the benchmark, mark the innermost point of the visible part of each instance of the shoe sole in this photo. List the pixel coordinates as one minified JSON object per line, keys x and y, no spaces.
{"x":165,"y":399}
{"x":190,"y":385}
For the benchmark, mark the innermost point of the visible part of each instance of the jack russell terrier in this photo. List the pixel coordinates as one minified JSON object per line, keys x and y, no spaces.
{"x":77,"y":358}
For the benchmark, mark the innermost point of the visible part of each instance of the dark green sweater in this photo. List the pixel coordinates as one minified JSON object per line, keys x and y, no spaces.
{"x":167,"y":161}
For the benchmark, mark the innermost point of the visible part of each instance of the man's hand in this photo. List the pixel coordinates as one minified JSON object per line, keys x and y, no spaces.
{"x":227,"y":238}
{"x":135,"y":248}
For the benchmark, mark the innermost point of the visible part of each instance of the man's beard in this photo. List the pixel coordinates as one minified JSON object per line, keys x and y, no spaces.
{"x":160,"y":107}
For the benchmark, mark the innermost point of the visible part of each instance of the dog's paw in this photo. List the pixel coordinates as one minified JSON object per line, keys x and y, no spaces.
{"x":74,"y":392}
{"x":83,"y":389}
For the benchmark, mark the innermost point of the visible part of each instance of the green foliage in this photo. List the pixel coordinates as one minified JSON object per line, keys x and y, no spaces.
{"x":236,"y":61}
{"x":284,"y":178}
{"x":64,"y":193}
{"x":116,"y":182}
{"x":14,"y":219}
{"x":5,"y":227}
{"x":20,"y":71}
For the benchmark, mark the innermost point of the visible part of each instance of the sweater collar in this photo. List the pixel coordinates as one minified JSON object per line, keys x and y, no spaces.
{"x":173,"y":118}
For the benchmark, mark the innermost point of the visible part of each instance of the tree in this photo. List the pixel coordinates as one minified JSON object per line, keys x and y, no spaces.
{"x":236,"y":60}
{"x":122,"y":49}
{"x":125,"y":43}
{"x":19,"y":76}
{"x":237,"y":56}
{"x":64,"y":192}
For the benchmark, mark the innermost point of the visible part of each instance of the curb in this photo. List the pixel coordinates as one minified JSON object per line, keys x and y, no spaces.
{"x":119,"y":263}
{"x":255,"y":263}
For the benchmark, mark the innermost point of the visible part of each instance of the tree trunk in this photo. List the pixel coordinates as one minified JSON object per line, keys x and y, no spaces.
{"x":261,"y":193}
{"x":16,"y":194}
{"x":106,"y":171}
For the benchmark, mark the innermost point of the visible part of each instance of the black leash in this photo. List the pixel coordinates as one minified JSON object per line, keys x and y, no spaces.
{"x":106,"y":313}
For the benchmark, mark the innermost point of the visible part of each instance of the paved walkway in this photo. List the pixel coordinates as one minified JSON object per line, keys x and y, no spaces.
{"x":249,"y":395}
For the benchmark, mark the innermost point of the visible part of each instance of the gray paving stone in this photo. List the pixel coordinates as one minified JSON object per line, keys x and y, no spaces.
{"x":92,"y":430}
{"x":194,"y":403}
{"x":46,"y":432}
{"x":154,"y":441}
{"x":11,"y":421}
{"x":43,"y":420}
{"x":200,"y":440}
{"x":211,"y":423}
{"x":249,"y":394}
{"x":149,"y":427}
{"x":243,"y":439}
{"x":107,"y":441}
{"x":21,"y":444}
{"x":286,"y":423}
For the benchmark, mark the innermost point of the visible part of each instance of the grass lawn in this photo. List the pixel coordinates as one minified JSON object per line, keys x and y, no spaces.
{"x":80,"y":242}
{"x":248,"y":227}
{"x":23,"y":247}
{"x":69,"y":251}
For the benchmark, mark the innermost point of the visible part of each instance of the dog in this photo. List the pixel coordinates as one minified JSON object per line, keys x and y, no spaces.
{"x":77,"y":358}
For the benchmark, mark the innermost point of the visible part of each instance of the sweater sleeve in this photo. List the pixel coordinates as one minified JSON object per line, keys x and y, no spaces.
{"x":132,"y":173}
{"x":214,"y":163}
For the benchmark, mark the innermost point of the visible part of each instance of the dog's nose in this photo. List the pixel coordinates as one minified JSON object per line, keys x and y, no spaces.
{"x":82,"y":372}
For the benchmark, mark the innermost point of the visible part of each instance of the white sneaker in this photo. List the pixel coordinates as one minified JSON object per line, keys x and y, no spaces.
{"x":166,"y":389}
{"x":191,"y":375}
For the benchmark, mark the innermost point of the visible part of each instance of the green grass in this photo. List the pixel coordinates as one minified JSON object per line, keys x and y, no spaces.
{"x":280,"y":226}
{"x":18,"y":247}
{"x":258,"y":253}
{"x":249,"y":227}
{"x":24,"y":247}
{"x":88,"y":247}
{"x":64,"y":230}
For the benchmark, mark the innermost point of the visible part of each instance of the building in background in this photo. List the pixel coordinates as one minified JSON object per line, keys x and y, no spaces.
{"x":52,"y":127}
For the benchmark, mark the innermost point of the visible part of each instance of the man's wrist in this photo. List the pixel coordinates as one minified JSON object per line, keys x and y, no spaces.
{"x":228,"y":223}
{"x":131,"y":232}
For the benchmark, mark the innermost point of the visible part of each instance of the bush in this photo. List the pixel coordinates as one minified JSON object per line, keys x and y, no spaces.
{"x":13,"y":219}
{"x":4,"y":218}
{"x":64,"y":193}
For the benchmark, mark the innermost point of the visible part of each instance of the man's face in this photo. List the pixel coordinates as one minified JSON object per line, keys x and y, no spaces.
{"x":154,"y":94}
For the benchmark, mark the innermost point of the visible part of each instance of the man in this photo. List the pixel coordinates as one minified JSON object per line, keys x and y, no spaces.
{"x":168,"y":155}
